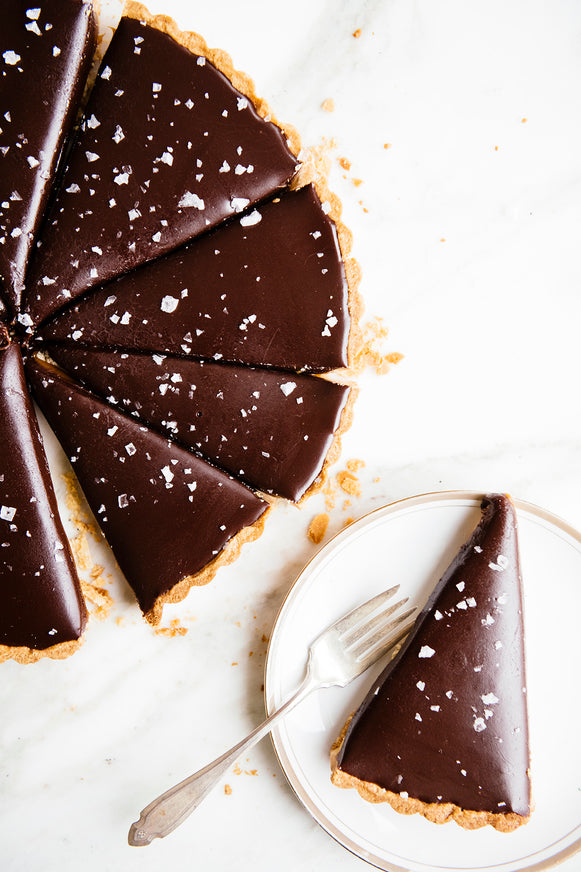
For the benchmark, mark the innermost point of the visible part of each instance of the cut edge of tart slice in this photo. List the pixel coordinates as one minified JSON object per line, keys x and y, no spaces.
{"x":171,"y":519}
{"x":443,"y":731}
{"x":41,"y":598}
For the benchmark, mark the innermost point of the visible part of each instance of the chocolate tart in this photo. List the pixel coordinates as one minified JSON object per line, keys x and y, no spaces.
{"x":444,"y":730}
{"x":46,"y":53}
{"x":145,"y":490}
{"x":183,"y":233}
{"x":42,"y":611}
{"x":273,"y":430}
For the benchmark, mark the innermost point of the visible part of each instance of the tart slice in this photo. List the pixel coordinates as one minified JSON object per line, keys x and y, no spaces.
{"x":267,"y":289}
{"x":171,"y":145}
{"x":46,"y":52}
{"x":269,"y":428}
{"x":42,"y":611}
{"x":444,"y":730}
{"x":171,"y":519}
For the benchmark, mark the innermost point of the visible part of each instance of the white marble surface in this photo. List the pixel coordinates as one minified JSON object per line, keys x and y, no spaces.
{"x":467,"y":231}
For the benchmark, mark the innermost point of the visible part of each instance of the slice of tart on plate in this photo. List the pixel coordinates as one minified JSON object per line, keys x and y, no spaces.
{"x":444,"y":730}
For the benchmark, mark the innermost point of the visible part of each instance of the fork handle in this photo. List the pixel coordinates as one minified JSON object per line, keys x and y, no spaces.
{"x":169,"y":810}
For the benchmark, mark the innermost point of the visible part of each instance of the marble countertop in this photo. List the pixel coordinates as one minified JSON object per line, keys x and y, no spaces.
{"x":453,"y":131}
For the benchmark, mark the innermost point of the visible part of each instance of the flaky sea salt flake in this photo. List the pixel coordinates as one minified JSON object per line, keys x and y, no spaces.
{"x":11,"y":58}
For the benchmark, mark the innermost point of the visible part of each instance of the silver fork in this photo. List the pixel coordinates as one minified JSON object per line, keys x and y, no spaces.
{"x":337,"y":656}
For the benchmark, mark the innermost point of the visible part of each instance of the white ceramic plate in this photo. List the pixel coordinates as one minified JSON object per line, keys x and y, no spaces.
{"x":412,"y":542}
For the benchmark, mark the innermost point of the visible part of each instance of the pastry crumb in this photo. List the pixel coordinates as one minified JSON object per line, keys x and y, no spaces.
{"x":328,"y":105}
{"x":387,"y":145}
{"x":349,"y":483}
{"x":227,"y":790}
{"x":174,"y":629}
{"x":354,"y":465}
{"x":99,"y":598}
{"x":357,"y":33}
{"x":344,"y":163}
{"x":329,"y":493}
{"x":318,"y":528}
{"x":357,"y":182}
{"x":370,"y":353}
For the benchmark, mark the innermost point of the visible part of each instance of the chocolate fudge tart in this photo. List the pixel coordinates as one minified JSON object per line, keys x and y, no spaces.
{"x":168,"y":148}
{"x":444,"y":730}
{"x":175,"y":165}
{"x":170,"y":517}
{"x":273,"y":430}
{"x":42,"y":611}
{"x":46,"y":51}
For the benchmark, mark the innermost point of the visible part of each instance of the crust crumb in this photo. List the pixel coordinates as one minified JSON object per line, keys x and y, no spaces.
{"x":174,"y":629}
{"x":370,"y":354}
{"x":349,"y":483}
{"x":318,"y":528}
{"x":99,"y":598}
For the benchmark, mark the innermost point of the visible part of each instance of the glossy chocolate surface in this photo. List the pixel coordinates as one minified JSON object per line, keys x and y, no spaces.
{"x":165,"y":512}
{"x":266,"y":427}
{"x":168,"y":149}
{"x":447,"y":719}
{"x":266,"y":290}
{"x":40,"y":599}
{"x":46,"y":50}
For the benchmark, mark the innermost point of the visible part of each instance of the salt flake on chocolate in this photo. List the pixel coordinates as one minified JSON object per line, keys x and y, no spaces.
{"x":189,"y":200}
{"x":11,"y":58}
{"x":169,"y":304}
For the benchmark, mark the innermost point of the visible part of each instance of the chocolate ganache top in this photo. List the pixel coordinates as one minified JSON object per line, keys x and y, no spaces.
{"x":268,"y":289}
{"x":40,"y":598}
{"x":46,"y":51}
{"x":168,"y":148}
{"x":447,"y":719}
{"x":165,"y":512}
{"x":269,"y":428}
